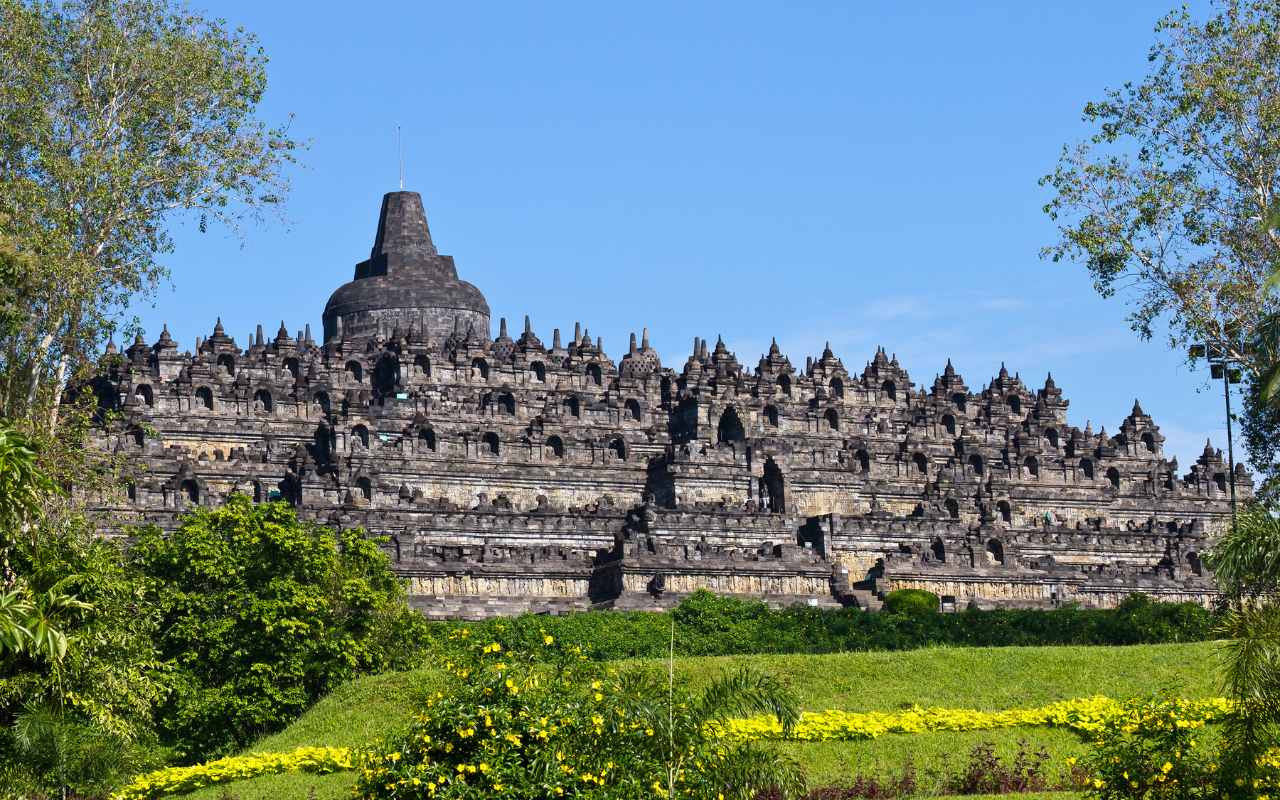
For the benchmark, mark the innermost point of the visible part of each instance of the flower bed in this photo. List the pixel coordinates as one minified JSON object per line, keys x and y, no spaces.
{"x":1085,"y":715}
{"x":180,"y":780}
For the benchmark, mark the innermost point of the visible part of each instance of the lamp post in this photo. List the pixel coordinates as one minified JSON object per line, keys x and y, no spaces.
{"x":1222,"y":365}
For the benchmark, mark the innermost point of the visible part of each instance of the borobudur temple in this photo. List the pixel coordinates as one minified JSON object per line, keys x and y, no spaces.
{"x":507,"y":474}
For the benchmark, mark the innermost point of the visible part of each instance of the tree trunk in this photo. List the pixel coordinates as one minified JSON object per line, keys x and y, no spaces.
{"x":60,"y":376}
{"x":37,"y":367}
{"x":59,"y":383}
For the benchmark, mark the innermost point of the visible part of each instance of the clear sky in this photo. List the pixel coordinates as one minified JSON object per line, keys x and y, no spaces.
{"x":864,"y":173}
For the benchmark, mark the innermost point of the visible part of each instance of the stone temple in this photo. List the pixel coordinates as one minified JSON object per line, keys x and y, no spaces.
{"x":508,"y":474}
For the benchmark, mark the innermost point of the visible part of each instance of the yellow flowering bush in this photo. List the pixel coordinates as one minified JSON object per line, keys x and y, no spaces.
{"x":180,"y":780}
{"x":512,"y":725}
{"x":1088,"y":716}
{"x":1156,"y":750}
{"x":1269,"y":774}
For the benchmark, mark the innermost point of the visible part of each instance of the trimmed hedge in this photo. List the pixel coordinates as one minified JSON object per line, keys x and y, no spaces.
{"x":712,"y":625}
{"x":911,"y":601}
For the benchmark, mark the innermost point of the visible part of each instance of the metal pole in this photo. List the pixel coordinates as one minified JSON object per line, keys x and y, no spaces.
{"x":1231,"y":458}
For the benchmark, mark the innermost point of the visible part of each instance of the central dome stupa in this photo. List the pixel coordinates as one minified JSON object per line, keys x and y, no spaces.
{"x":406,"y":284}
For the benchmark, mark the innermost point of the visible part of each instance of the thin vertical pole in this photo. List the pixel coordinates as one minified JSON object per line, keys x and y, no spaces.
{"x":1231,"y":457}
{"x":671,"y":711}
{"x":400,"y":153}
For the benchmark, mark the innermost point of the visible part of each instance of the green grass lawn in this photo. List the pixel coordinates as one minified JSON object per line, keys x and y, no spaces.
{"x":982,"y":678}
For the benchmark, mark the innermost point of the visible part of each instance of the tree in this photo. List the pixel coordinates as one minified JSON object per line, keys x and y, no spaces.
{"x":77,"y":700}
{"x":23,"y":488}
{"x":261,"y":615}
{"x":115,"y":116}
{"x":1174,"y":197}
{"x":1260,"y":427}
{"x":78,"y":676}
{"x":1246,"y":563}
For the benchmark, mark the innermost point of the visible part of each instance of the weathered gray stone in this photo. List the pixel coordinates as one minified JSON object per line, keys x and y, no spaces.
{"x":510,"y":476}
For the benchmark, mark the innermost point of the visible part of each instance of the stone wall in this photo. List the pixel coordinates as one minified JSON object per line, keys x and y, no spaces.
{"x":507,"y":473}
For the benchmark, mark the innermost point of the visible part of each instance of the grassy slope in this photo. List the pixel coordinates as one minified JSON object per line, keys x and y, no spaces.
{"x":985,"y":678}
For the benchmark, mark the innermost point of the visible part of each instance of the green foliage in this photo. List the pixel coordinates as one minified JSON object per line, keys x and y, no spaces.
{"x":261,"y":615}
{"x":712,"y":625}
{"x":75,"y":653}
{"x":24,"y":485}
{"x":56,"y":749}
{"x":115,"y":116}
{"x":1260,"y":430}
{"x":35,"y":626}
{"x":15,"y":610}
{"x":1152,"y":752}
{"x":1246,"y":562}
{"x":76,"y":701}
{"x":1139,"y":619}
{"x":911,"y":601}
{"x":1251,"y":666}
{"x":552,"y":723}
{"x":1172,"y":199}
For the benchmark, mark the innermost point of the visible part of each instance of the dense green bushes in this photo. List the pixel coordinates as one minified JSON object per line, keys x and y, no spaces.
{"x":191,"y":644}
{"x":79,"y":672}
{"x":710,"y":625}
{"x":261,"y":615}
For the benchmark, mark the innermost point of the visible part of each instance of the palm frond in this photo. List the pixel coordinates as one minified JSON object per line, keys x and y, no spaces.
{"x":1246,"y":560}
{"x":15,"y":611}
{"x":1251,"y":670}
{"x":745,"y":692}
{"x":750,"y":769}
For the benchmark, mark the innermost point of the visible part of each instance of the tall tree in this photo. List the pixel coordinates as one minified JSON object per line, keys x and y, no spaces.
{"x":1173,"y":199}
{"x":115,"y":116}
{"x":1246,"y":563}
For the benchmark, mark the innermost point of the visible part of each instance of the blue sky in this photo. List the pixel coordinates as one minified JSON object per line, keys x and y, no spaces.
{"x":864,"y":173}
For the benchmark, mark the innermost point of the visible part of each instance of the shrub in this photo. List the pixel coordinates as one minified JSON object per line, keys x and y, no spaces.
{"x":870,"y":787}
{"x":713,"y":625}
{"x":986,"y":773}
{"x":572,"y":727}
{"x":1246,"y":562}
{"x":262,"y":615}
{"x":911,"y":601}
{"x":76,"y":702}
{"x":1153,"y":750}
